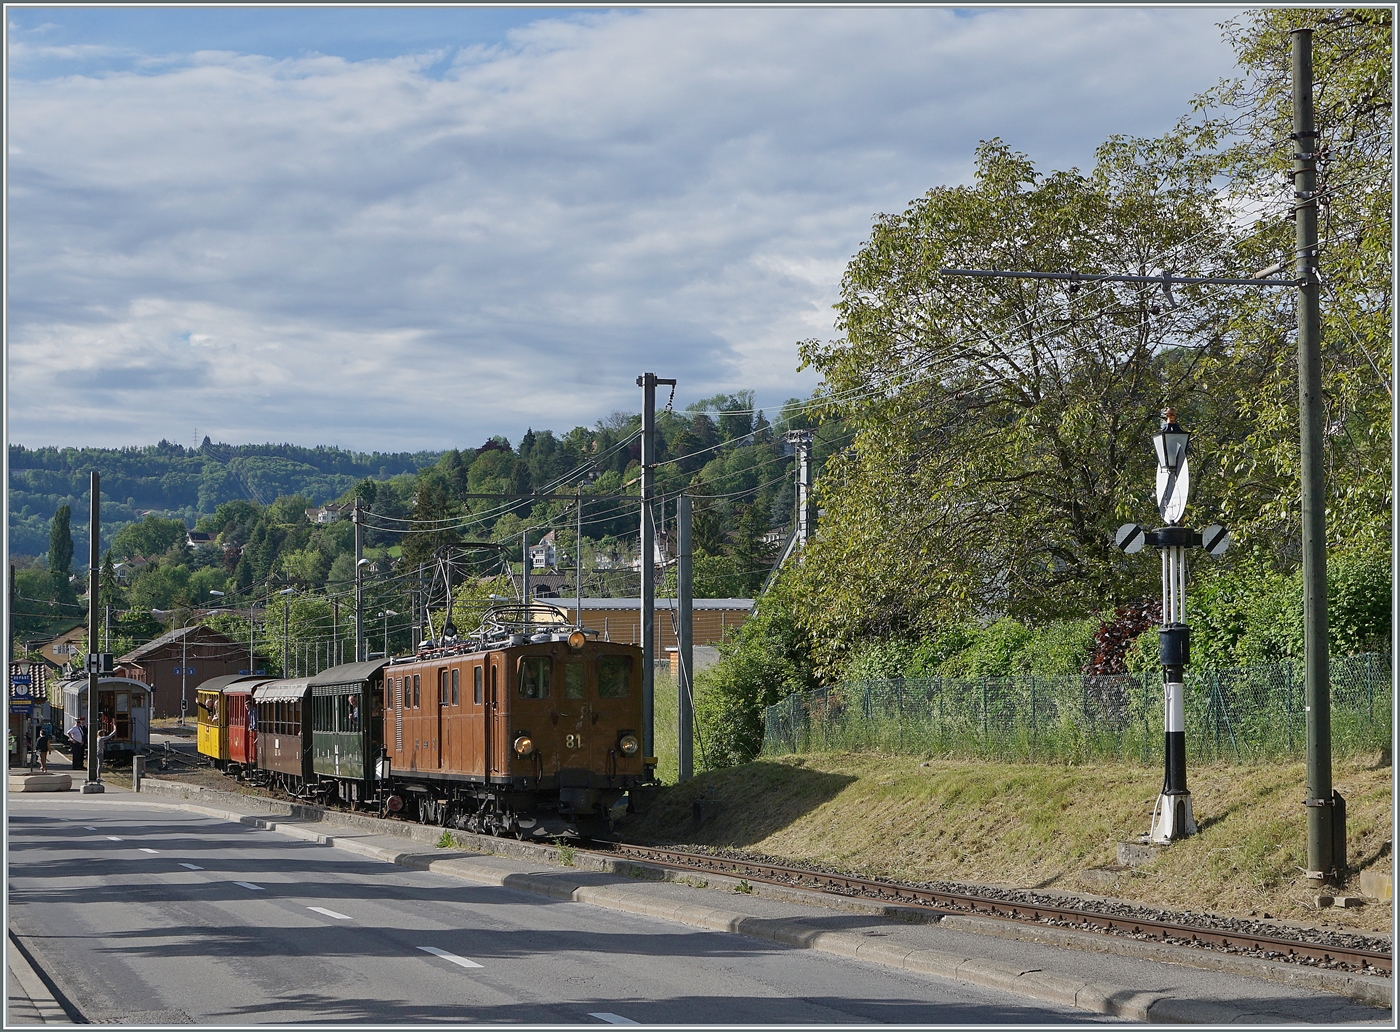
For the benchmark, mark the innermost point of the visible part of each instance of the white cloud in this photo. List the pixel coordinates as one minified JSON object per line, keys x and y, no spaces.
{"x":379,"y":254}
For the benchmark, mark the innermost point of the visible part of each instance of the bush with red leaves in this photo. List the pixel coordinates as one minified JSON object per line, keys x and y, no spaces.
{"x":1113,"y":637}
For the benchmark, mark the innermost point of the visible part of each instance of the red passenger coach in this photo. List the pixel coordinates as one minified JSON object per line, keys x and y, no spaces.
{"x":529,"y":727}
{"x":242,"y":726}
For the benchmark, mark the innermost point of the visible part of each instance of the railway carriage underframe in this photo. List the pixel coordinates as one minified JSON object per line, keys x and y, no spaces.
{"x":545,"y":808}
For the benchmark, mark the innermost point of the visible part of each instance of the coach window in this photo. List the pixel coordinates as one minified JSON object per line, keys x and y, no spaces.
{"x":573,"y":680}
{"x":534,"y":677}
{"x":614,"y":676}
{"x":456,"y":686}
{"x":476,"y":685}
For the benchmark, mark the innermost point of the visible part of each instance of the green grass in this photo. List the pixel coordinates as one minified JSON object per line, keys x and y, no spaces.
{"x":1033,"y":824}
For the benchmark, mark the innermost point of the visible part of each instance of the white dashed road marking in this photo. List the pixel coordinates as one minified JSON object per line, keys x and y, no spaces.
{"x":88,"y":827}
{"x":613,"y":1019}
{"x":193,"y":867}
{"x":249,"y":885}
{"x":462,"y":961}
{"x":145,"y":849}
{"x":331,"y":913}
{"x":116,"y":838}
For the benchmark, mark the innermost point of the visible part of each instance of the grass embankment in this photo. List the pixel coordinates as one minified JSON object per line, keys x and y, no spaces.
{"x":1038,"y":825}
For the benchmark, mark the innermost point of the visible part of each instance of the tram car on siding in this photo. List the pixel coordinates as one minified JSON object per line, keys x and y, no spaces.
{"x":529,"y":726}
{"x":123,"y":701}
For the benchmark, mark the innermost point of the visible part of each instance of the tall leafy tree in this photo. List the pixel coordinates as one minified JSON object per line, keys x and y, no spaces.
{"x":1249,"y":117}
{"x":1001,"y":426}
{"x":61,"y":544}
{"x":434,"y":510}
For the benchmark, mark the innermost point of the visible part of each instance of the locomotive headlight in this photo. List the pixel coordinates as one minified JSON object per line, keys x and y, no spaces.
{"x":629,"y":745}
{"x":524,"y":746}
{"x":577,"y":640}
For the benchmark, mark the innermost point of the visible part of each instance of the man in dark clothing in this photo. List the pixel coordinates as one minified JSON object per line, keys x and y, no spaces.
{"x":77,"y":735}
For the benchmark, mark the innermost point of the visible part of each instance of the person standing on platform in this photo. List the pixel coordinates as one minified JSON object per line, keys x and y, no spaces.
{"x":77,"y":735}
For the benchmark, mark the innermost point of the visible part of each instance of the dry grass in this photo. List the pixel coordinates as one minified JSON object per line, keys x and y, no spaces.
{"x":1038,"y":825}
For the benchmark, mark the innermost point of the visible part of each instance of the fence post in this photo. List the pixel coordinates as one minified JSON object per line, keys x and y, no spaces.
{"x":1288,"y":705}
{"x":1370,"y":692}
{"x":1033,"y":724}
{"x":899,"y":710}
{"x":1146,"y":722}
{"x":985,"y":743}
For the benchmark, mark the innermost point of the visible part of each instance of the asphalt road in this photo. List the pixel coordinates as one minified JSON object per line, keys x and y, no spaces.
{"x":159,"y":916}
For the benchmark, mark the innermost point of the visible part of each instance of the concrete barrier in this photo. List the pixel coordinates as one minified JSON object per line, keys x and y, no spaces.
{"x":36,"y":782}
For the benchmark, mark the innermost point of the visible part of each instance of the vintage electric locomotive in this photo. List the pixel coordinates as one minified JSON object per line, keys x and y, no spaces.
{"x":528,"y":727}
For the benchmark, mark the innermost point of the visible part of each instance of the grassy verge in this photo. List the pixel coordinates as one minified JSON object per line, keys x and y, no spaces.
{"x":1037,"y":825}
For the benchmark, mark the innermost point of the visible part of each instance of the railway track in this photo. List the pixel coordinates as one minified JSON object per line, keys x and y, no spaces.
{"x":1318,"y":948}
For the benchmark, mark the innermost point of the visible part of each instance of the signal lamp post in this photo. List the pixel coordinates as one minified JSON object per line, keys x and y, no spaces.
{"x":1173,"y":817}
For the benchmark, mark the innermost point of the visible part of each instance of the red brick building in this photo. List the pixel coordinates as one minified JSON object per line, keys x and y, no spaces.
{"x":184,"y":657}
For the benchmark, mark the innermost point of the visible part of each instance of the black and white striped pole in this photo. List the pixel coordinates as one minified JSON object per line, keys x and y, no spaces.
{"x":1173,"y":818}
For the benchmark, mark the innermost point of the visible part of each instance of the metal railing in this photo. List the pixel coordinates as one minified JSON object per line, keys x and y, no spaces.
{"x":1237,"y":715}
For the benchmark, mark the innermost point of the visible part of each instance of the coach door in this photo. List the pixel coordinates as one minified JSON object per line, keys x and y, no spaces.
{"x":440,"y":742}
{"x":493,"y":715}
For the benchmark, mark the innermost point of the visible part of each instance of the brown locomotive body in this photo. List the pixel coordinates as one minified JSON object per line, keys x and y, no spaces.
{"x":531,"y":727}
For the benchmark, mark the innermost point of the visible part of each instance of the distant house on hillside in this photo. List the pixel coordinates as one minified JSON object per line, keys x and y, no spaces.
{"x":328,"y":513}
{"x":128,"y":568}
{"x":199,"y":539}
{"x":542,"y":555}
{"x":67,"y":647}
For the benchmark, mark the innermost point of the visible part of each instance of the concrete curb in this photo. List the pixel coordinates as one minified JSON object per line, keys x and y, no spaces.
{"x":50,"y":1011}
{"x":1049,"y":987}
{"x":1035,"y":984}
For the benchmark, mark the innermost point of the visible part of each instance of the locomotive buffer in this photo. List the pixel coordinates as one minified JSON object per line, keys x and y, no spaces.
{"x":1172,"y":818}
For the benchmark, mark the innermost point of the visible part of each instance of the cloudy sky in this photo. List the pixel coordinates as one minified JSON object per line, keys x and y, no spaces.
{"x":398,"y":229}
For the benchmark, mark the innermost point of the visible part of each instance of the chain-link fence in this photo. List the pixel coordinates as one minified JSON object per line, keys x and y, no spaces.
{"x":1231,"y":715}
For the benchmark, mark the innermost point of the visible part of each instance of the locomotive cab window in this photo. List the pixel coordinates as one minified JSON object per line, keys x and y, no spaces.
{"x":573,"y":680}
{"x":476,"y":685}
{"x":456,"y":686}
{"x":417,"y":685}
{"x":534,"y":677}
{"x":614,"y":676}
{"x":442,"y":687}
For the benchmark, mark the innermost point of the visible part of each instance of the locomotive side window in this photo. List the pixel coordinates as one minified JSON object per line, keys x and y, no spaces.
{"x":456,"y":686}
{"x":534,"y":677}
{"x":476,"y":685}
{"x":442,"y":688}
{"x":573,"y":680}
{"x":417,"y":697}
{"x":614,"y":676}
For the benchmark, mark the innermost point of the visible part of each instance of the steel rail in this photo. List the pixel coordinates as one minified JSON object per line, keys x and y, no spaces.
{"x":1291,"y":949}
